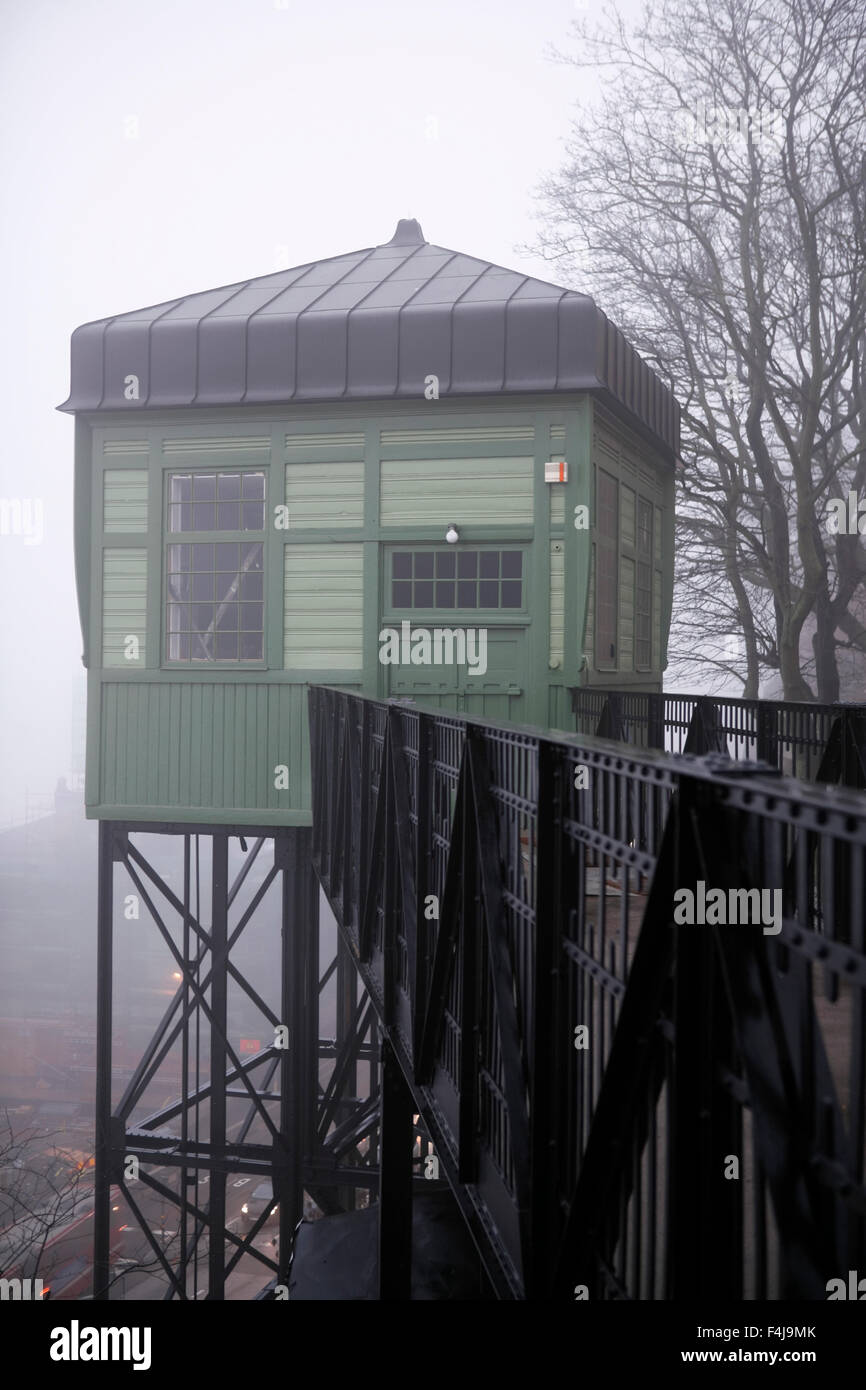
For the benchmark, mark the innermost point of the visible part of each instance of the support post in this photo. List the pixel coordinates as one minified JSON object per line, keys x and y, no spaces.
{"x":102,"y":1147}
{"x":395,"y":1181}
{"x":299,"y":1011}
{"x":219,"y":938}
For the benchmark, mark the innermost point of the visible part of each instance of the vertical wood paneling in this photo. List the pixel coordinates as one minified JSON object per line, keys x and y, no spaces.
{"x":203,"y":745}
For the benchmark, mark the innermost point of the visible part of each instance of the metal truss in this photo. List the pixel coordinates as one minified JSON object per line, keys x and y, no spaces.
{"x":625,"y":1105}
{"x":315,"y":1137}
{"x":819,"y":742}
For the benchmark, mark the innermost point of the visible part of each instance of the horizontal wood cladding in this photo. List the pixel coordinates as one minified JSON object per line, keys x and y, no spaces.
{"x":218,"y":444}
{"x":195,"y":744}
{"x":445,"y":435}
{"x":351,"y":439}
{"x":124,"y":499}
{"x":557,"y":604}
{"x":124,"y":607}
{"x":435,"y":491}
{"x":325,"y":494}
{"x":323,"y":607}
{"x":121,"y":448}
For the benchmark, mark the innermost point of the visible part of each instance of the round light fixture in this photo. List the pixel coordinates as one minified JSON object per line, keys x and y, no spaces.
{"x":452,"y":535}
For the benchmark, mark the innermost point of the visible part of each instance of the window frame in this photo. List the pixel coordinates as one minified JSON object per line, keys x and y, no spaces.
{"x":456,"y":616}
{"x":214,"y":537}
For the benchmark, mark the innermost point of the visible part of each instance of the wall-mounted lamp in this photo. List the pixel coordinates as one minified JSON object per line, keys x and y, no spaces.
{"x":452,"y":535}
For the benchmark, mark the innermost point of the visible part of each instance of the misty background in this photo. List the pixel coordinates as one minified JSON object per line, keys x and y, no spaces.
{"x":153,"y":151}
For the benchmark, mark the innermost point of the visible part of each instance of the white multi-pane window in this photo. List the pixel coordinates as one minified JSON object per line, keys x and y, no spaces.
{"x":214,"y":594}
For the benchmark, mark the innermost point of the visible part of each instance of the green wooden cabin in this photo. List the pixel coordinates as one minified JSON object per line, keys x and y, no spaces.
{"x":301,"y":478}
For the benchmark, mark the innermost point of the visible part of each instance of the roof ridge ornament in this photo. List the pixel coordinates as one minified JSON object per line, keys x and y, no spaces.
{"x":408,"y":233}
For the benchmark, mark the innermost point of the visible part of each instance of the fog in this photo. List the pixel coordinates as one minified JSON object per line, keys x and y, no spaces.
{"x":152,"y":151}
{"x":149,"y":152}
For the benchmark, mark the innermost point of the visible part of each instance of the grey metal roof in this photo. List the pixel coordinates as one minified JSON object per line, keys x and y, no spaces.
{"x":369,"y":325}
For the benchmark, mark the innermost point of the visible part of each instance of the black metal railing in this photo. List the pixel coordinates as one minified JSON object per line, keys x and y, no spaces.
{"x":817,"y":742}
{"x":503,"y":889}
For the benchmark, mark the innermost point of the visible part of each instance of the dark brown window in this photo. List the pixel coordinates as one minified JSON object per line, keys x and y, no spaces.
{"x":643,"y":588}
{"x":606,"y":533}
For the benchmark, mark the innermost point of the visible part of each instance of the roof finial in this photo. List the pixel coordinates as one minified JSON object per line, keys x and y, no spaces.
{"x":408,"y":233}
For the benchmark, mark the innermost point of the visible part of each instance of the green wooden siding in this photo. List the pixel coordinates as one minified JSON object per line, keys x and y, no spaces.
{"x":124,"y":492}
{"x":448,"y":436}
{"x":217,"y":444}
{"x":589,"y":639}
{"x":201,"y":744}
{"x":195,"y":745}
{"x":560,"y":713}
{"x":639,"y":475}
{"x":124,"y":448}
{"x":324,"y":604}
{"x":557,"y":496}
{"x":435,"y":492}
{"x":557,"y":605}
{"x":325,"y":494}
{"x":307,"y":443}
{"x":124,"y":605}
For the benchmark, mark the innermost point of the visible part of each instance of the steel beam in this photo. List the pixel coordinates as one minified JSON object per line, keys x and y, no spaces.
{"x":395,"y":1181}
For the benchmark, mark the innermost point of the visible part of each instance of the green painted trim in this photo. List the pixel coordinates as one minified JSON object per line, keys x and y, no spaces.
{"x":92,"y":767}
{"x":319,"y":416}
{"x":275,"y":557}
{"x":397,"y":535}
{"x":578,"y":544}
{"x":536,"y":595}
{"x":201,"y":815}
{"x":374,"y":672}
{"x":81,"y":509}
{"x":397,"y":453}
{"x":155,"y":554}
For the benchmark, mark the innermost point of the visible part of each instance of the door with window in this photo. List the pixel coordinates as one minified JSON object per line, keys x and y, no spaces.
{"x":457,"y":619}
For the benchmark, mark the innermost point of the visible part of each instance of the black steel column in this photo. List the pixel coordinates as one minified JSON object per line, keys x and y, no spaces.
{"x":395,"y":1180}
{"x":547,"y":1046}
{"x":102,"y":1146}
{"x":347,"y":997}
{"x":299,"y":1011}
{"x":218,"y":993}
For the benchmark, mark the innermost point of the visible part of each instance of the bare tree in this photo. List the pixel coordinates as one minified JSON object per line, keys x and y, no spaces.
{"x":41,"y":1190}
{"x":714,"y":200}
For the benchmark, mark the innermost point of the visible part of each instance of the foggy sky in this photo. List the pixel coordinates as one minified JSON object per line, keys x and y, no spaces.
{"x":152,"y":150}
